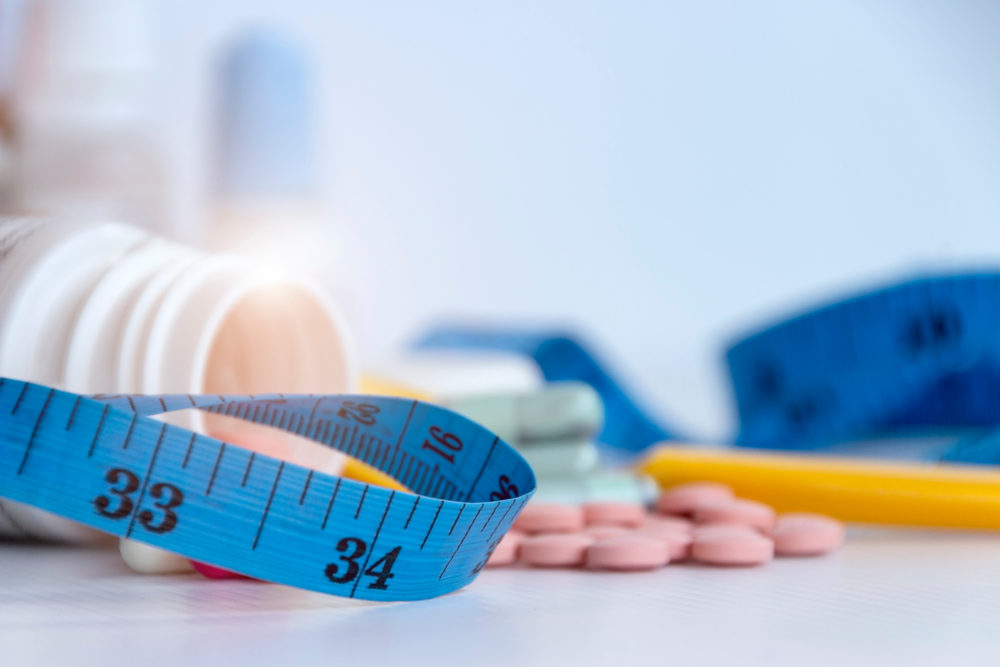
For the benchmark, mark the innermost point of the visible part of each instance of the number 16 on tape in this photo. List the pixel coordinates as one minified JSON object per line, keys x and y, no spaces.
{"x":103,"y":461}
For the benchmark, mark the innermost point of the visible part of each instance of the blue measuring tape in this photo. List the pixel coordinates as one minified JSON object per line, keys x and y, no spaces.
{"x":103,"y":461}
{"x":920,"y":355}
{"x":561,"y":357}
{"x":915,"y":358}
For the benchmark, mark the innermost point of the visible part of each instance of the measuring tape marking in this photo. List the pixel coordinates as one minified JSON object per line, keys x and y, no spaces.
{"x":102,"y":459}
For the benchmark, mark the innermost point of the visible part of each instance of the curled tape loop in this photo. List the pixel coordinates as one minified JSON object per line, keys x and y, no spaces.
{"x":103,"y":461}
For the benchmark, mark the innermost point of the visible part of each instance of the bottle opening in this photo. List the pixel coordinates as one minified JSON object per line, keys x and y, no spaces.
{"x":277,"y":338}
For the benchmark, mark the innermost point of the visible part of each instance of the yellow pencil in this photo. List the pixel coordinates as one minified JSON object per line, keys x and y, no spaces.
{"x":917,"y":494}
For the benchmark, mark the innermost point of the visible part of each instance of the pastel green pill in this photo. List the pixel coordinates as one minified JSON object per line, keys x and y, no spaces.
{"x":556,"y":411}
{"x":561,"y":457}
{"x":596,"y":486}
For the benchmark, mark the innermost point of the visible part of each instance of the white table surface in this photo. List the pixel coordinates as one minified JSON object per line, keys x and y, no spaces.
{"x":888,"y":598}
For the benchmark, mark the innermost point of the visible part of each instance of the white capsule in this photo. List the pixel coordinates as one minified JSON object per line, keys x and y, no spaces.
{"x":145,"y":559}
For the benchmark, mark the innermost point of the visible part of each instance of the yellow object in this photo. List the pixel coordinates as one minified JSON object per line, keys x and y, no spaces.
{"x":355,"y":469}
{"x":916,"y":494}
{"x":381,"y":387}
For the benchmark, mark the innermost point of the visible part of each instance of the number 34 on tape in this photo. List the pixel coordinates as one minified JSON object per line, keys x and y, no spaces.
{"x":103,"y":461}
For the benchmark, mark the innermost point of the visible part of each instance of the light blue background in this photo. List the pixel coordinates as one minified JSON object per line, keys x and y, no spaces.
{"x":658,"y":174}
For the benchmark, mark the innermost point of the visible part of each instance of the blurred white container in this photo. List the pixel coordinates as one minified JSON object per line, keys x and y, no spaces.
{"x":264,"y":197}
{"x":107,"y":308}
{"x":83,"y":145}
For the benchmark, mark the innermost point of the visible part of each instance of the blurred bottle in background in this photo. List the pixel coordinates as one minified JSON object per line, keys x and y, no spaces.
{"x":78,"y":133}
{"x":264,"y":190}
{"x":81,"y":142}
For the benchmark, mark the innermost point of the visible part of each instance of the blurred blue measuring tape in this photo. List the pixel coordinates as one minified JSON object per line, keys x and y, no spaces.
{"x":914,"y":358}
{"x":103,"y":461}
{"x":560,"y":357}
{"x":923,"y":354}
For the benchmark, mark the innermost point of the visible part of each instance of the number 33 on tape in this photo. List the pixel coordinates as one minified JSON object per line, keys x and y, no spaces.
{"x":103,"y":461}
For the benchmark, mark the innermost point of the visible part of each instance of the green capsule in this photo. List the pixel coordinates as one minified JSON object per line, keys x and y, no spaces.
{"x":560,"y":457}
{"x":606,"y":485}
{"x":558,"y":411}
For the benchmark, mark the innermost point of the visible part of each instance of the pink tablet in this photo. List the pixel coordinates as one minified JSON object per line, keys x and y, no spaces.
{"x":677,"y":537}
{"x":731,"y":545}
{"x":609,"y":513}
{"x":506,"y":551}
{"x":683,"y":499}
{"x":674,"y":523}
{"x":628,"y":552}
{"x":737,"y":510}
{"x":604,"y":532}
{"x":555,"y":550}
{"x":549,"y":518}
{"x":805,"y":534}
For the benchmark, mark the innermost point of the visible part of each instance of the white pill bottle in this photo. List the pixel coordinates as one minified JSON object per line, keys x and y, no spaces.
{"x":107,"y":308}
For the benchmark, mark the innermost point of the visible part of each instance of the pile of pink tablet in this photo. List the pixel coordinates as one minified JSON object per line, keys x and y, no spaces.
{"x":701,"y":522}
